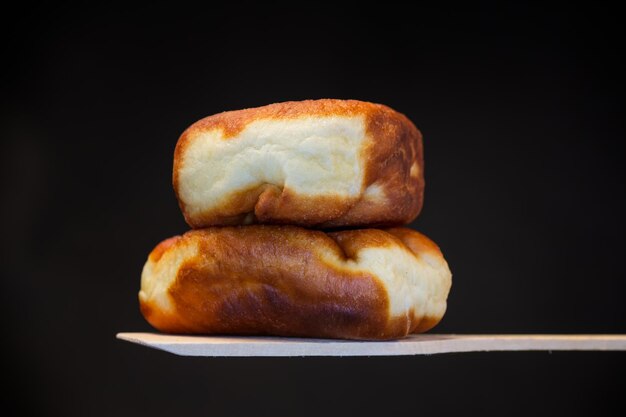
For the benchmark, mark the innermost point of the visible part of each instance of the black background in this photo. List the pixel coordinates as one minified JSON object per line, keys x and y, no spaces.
{"x":522,"y":113}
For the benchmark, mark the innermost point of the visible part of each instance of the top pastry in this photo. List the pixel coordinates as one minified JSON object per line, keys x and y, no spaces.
{"x":315,"y":163}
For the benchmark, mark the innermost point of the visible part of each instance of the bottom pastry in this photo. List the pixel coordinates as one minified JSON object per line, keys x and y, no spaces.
{"x":290,"y":281}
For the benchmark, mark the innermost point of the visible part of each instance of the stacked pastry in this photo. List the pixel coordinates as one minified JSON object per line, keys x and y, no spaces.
{"x":295,"y":209}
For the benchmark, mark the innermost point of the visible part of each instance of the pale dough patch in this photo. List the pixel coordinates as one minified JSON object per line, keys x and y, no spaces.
{"x":315,"y":156}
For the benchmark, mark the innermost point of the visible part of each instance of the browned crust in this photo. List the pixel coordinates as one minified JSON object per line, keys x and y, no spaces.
{"x":396,"y":144}
{"x":273,"y":280}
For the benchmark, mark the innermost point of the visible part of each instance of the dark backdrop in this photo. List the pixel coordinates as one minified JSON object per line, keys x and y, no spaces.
{"x":521,"y":110}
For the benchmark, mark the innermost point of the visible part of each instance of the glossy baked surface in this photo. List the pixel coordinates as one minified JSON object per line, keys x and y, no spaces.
{"x":290,"y":281}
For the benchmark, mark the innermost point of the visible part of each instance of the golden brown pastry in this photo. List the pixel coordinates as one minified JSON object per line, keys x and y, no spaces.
{"x":315,"y":163}
{"x":290,"y":281}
